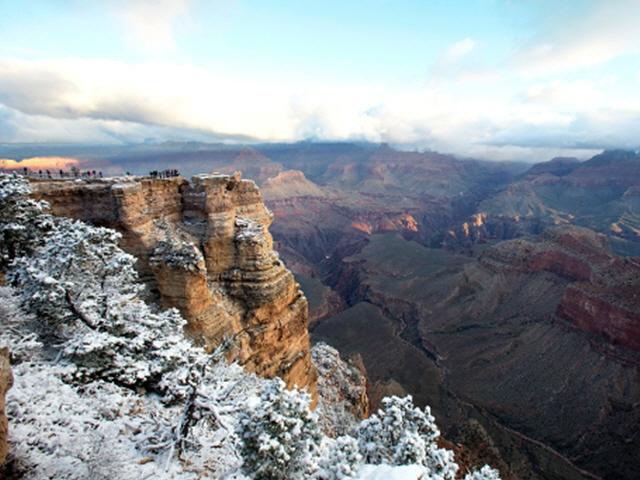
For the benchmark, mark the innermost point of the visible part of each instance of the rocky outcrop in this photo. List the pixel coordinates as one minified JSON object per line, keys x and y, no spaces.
{"x":6,"y":380}
{"x":289,"y":184}
{"x":342,"y":389}
{"x":603,"y":293}
{"x":204,"y":247}
{"x":594,"y":311}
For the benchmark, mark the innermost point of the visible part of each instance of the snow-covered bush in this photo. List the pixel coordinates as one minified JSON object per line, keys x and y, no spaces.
{"x":83,"y":289}
{"x":100,"y":429}
{"x":341,"y":459}
{"x":342,"y":397}
{"x":79,"y":273}
{"x":440,"y":463}
{"x":280,"y":435}
{"x":398,"y":420}
{"x":22,"y":220}
{"x":18,"y":328}
{"x":485,"y":473}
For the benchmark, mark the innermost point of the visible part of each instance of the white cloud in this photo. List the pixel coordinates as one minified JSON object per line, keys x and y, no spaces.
{"x":456,"y":60}
{"x":100,"y":100}
{"x":459,"y":49}
{"x":606,"y":93}
{"x":150,"y":24}
{"x":609,"y":29}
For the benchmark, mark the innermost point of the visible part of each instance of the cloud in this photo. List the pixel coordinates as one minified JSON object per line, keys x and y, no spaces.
{"x":149,"y":25}
{"x":38,"y":163}
{"x":583,"y":39}
{"x":455,"y":61}
{"x":570,"y":94}
{"x":109,"y":102}
{"x":458,"y":50}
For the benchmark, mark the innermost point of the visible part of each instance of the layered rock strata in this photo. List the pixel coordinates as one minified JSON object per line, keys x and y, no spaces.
{"x":204,"y":247}
{"x":603,"y":293}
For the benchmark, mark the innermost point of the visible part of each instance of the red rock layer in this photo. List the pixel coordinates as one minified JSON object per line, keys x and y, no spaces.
{"x":603,"y":293}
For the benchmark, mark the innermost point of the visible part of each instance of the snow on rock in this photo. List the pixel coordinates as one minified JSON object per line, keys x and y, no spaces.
{"x":178,"y":254}
{"x":342,"y":391}
{"x":248,"y":230}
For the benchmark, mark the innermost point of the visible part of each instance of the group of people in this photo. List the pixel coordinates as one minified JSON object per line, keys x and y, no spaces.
{"x":77,"y":173}
{"x":73,"y":173}
{"x":172,"y":172}
{"x":86,"y":174}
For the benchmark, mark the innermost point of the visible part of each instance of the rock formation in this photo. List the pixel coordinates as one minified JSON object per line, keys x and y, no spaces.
{"x":204,"y":248}
{"x":603,"y":293}
{"x":601,"y":193}
{"x":288,"y":184}
{"x":6,"y":380}
{"x":342,"y":389}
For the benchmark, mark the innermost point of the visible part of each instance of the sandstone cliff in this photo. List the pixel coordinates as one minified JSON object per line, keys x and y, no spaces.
{"x":6,"y":380}
{"x":204,"y":247}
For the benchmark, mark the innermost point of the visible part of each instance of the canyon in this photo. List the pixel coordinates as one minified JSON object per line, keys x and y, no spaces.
{"x":503,"y":295}
{"x":498,"y":338}
{"x":509,"y":302}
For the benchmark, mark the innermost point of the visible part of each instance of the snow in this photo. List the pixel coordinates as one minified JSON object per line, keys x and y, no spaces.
{"x":389,"y":472}
{"x":340,"y":387}
{"x":249,"y":231}
{"x":177,"y":253}
{"x":61,"y":429}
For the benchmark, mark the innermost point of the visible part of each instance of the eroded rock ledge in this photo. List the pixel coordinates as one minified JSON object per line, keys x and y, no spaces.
{"x":602,"y":295}
{"x":204,"y":247}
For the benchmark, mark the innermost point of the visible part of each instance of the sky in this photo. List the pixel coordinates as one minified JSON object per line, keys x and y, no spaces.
{"x":495,"y":79}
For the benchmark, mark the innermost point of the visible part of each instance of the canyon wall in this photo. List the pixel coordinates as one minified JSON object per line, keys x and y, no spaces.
{"x":204,"y":248}
{"x":536,"y":338}
{"x":602,"y":295}
{"x":6,"y":381}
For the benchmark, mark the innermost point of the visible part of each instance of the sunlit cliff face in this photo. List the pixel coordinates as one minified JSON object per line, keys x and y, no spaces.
{"x":39,"y":163}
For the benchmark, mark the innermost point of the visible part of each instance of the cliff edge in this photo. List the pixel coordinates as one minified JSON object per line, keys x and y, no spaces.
{"x":204,"y":248}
